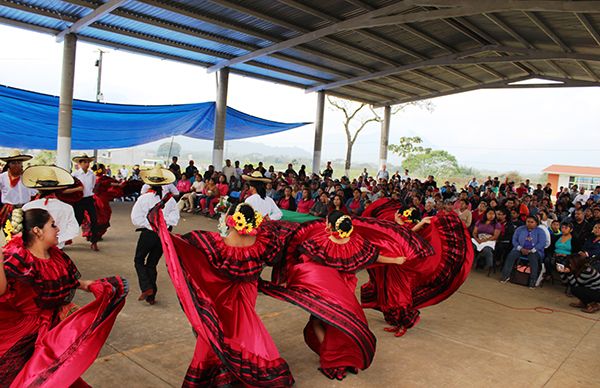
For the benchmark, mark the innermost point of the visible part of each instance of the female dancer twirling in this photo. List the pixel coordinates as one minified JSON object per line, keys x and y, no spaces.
{"x":44,"y":343}
{"x":216,"y":281}
{"x":319,"y":277}
{"x":399,"y":292}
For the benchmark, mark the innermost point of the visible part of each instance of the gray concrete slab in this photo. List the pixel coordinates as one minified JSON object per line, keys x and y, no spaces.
{"x":487,"y":334}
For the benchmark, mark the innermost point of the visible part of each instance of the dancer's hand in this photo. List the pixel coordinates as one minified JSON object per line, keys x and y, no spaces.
{"x":85,"y":285}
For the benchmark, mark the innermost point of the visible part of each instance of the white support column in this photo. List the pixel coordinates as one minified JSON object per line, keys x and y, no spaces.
{"x":385,"y":135}
{"x":65,"y":110}
{"x":220,"y":118}
{"x":318,"y":132}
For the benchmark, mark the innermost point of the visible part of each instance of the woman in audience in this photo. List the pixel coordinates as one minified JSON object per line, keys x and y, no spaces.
{"x":485,"y":234}
{"x":561,"y":248}
{"x":337,"y":203}
{"x":306,"y":202}
{"x":355,"y":205}
{"x":210,"y":190}
{"x":287,"y":202}
{"x":187,"y":201}
{"x":584,"y":281}
{"x":321,"y":207}
{"x":184,"y":185}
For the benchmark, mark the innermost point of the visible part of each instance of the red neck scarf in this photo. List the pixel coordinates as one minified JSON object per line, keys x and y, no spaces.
{"x":13,"y":180}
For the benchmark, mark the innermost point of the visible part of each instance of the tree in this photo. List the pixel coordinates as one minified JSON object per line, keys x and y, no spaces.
{"x":168,"y":149}
{"x":407,"y":146}
{"x":43,"y":158}
{"x":358,"y":115}
{"x":437,"y":163}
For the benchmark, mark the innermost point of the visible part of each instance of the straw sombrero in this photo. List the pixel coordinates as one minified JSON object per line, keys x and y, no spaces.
{"x":47,"y":178}
{"x":157,"y":176}
{"x":256,"y":176}
{"x":16,"y":156}
{"x":81,"y":157}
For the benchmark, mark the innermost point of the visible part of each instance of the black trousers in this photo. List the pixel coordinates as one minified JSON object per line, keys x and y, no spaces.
{"x":147,"y":254}
{"x":586,"y":295}
{"x":86,"y":205}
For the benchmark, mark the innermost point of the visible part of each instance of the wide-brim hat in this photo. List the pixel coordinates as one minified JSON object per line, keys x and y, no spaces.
{"x":16,"y":156}
{"x":256,"y":176}
{"x":47,"y":178}
{"x":157,"y":176}
{"x":81,"y":157}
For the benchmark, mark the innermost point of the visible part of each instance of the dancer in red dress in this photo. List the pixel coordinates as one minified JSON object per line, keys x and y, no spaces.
{"x":320,"y":277}
{"x":399,"y":292}
{"x":216,"y":281}
{"x":106,"y":189}
{"x":44,"y":343}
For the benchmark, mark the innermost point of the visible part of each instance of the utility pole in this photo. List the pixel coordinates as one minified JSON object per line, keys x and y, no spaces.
{"x":99,"y":96}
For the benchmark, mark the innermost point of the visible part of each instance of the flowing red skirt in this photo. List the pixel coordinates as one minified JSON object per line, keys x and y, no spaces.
{"x":39,"y":350}
{"x":232,"y":346}
{"x":400,"y":291}
{"x":328,"y":295}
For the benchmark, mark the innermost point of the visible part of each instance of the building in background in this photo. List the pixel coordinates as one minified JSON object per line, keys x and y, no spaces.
{"x":567,"y":176}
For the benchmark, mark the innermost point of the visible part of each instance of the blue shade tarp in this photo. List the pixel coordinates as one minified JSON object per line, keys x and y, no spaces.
{"x":30,"y":120}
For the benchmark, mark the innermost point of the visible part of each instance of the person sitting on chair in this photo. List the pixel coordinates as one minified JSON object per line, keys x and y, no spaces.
{"x":528,"y":241}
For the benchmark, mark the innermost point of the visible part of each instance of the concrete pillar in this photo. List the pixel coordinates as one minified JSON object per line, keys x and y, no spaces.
{"x":385,"y":135}
{"x":220,"y":118}
{"x":65,"y":109}
{"x":318,"y":132}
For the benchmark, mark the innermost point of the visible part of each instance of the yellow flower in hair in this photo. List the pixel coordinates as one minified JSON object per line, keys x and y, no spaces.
{"x":258,"y":219}
{"x":8,"y":229}
{"x":407,"y":213}
{"x":238,"y":217}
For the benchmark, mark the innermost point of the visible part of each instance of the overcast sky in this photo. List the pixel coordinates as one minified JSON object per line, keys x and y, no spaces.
{"x":524,"y":130}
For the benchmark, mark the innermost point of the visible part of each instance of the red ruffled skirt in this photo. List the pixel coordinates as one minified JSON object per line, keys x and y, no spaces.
{"x":400,"y":291}
{"x":39,"y":350}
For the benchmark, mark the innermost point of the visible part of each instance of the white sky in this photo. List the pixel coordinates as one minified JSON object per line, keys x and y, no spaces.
{"x":524,"y":130}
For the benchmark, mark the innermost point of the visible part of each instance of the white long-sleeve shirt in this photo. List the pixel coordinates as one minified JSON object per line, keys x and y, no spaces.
{"x":63,"y":214}
{"x":88,"y":179}
{"x":143,"y":205}
{"x":266,"y":207}
{"x":17,"y":195}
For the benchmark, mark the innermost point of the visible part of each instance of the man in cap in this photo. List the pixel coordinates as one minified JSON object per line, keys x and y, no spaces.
{"x":14,"y":193}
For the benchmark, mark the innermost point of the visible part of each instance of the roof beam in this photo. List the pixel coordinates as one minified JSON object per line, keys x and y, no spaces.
{"x":588,"y":70}
{"x":306,"y":37}
{"x":548,"y":31}
{"x":588,"y":26}
{"x":89,"y":18}
{"x":463,"y":58}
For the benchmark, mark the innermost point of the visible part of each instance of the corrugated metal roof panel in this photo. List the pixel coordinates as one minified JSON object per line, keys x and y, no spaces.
{"x":29,"y":18}
{"x":286,"y":77}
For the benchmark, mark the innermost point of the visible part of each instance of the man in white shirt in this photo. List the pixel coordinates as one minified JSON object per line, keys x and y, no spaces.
{"x":383,"y":174}
{"x":124,"y":172}
{"x":48,"y":180}
{"x":86,"y":204}
{"x":229,"y":170}
{"x":14,"y":193}
{"x":582,"y":197}
{"x":258,"y":198}
{"x":149,"y":247}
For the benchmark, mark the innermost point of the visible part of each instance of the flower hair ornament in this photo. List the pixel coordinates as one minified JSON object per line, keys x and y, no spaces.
{"x":239,"y":223}
{"x":408,"y":216}
{"x":14,"y":225}
{"x":340,"y":233}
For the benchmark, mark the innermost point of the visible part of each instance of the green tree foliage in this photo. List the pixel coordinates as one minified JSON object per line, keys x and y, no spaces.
{"x":408,"y":146}
{"x":437,"y":163}
{"x":43,"y":158}
{"x":163,"y":150}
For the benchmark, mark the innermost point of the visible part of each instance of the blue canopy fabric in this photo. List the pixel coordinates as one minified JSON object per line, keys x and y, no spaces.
{"x":29,"y":120}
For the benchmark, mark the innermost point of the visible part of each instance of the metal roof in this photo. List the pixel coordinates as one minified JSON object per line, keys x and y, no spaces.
{"x":382,"y":52}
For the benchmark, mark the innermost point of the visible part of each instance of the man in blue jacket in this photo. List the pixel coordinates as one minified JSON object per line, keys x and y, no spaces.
{"x":528,"y":241}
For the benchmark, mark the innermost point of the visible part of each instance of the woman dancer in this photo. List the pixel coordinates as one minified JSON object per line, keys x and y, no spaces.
{"x":320,"y":277}
{"x":400,"y":291}
{"x":216,"y":281}
{"x":106,"y":189}
{"x":42,"y":345}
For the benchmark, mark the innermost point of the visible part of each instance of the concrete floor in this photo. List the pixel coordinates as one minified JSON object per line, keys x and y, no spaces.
{"x":487,"y":334}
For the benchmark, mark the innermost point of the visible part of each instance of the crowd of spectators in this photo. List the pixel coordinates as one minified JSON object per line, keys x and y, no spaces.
{"x":510,"y":222}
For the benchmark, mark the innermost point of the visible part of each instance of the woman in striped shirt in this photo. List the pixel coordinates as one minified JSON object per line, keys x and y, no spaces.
{"x":584,"y":281}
